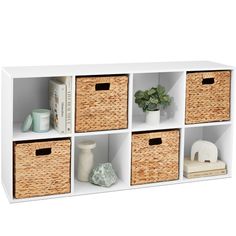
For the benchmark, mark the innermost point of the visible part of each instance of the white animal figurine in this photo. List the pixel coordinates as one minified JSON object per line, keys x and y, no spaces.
{"x":207,"y":151}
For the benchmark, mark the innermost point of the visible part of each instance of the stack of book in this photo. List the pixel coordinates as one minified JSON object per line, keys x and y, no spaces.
{"x":60,"y":91}
{"x":196,"y":169}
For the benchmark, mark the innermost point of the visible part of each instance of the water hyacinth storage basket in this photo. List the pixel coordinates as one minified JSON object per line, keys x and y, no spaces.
{"x":207,"y":96}
{"x":155,"y":157}
{"x":42,"y":168}
{"x":101,"y":103}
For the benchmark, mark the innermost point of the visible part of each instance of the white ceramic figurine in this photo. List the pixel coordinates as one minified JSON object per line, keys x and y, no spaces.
{"x":207,"y":151}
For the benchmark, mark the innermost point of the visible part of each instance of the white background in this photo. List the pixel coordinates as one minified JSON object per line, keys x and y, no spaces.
{"x":71,"y":32}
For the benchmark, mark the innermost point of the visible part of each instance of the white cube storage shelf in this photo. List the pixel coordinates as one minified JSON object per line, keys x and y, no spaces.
{"x":26,"y":88}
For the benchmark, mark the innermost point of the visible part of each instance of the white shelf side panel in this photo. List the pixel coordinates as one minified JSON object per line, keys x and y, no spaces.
{"x":7,"y":134}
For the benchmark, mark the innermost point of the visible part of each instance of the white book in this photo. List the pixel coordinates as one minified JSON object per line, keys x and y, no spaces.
{"x":68,"y":82}
{"x":196,"y":166}
{"x":57,"y":91}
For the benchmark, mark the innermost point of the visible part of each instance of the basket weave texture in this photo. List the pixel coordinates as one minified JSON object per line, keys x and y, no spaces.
{"x":103,"y":109}
{"x":155,"y":163}
{"x":40,"y":175}
{"x":207,"y":102}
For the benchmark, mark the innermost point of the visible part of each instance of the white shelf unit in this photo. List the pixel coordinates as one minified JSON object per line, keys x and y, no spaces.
{"x":26,"y":88}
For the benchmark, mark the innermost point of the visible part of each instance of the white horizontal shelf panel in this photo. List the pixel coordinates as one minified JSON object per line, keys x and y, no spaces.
{"x":148,"y":185}
{"x":66,"y":70}
{"x":186,"y":180}
{"x":140,"y":125}
{"x":88,"y":188}
{"x":41,"y":198}
{"x":18,"y":135}
{"x":118,"y":131}
{"x":83,"y":188}
{"x":209,"y":124}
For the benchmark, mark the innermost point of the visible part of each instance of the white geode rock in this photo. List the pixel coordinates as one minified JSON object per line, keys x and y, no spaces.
{"x":103,"y":175}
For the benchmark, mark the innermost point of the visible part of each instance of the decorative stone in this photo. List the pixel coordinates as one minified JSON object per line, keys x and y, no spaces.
{"x":103,"y":175}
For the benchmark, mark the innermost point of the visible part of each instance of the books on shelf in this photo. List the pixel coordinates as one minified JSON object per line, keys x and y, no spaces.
{"x":60,"y":103}
{"x":68,"y":96}
{"x":196,"y":169}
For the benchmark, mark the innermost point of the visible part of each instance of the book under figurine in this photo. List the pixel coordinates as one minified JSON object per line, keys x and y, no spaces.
{"x":196,"y":169}
{"x":207,"y":163}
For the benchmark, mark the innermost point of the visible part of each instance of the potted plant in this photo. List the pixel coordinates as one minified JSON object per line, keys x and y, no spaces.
{"x":151,"y":101}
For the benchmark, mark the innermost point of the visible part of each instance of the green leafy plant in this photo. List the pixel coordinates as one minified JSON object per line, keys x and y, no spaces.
{"x":152,"y":99}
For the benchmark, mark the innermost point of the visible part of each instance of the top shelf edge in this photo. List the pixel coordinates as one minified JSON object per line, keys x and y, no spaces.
{"x":129,"y":68}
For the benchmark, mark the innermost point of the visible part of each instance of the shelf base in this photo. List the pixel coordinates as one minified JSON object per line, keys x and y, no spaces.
{"x":88,"y":188}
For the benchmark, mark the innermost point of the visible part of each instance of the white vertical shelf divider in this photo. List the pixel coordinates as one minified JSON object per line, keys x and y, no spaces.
{"x":73,"y":136}
{"x":182,"y":131}
{"x":130,"y":120}
{"x":181,"y":154}
{"x":130,"y":102}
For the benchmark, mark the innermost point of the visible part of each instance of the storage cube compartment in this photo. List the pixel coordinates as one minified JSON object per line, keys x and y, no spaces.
{"x":155,"y":156}
{"x":207,"y":96}
{"x":112,"y":148}
{"x":173,"y":115}
{"x":220,"y":135}
{"x":101,"y":103}
{"x":28,"y":94}
{"x":42,"y":168}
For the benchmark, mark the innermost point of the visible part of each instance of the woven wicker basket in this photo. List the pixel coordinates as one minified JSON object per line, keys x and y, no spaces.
{"x":101,"y":103}
{"x":207,"y":97}
{"x":41,"y":168}
{"x":155,"y":157}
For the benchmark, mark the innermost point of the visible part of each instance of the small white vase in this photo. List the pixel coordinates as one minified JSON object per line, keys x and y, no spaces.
{"x":153,"y":117}
{"x":86,"y":160}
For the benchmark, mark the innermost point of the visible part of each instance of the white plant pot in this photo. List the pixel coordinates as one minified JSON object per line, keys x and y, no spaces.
{"x":153,"y":118}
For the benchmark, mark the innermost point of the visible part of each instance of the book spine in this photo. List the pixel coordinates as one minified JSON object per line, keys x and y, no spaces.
{"x":51,"y":95}
{"x":68,"y":104}
{"x":57,"y":105}
{"x":62,"y":112}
